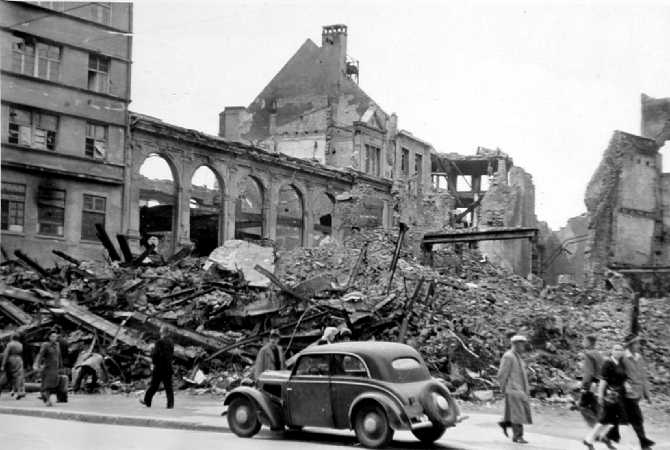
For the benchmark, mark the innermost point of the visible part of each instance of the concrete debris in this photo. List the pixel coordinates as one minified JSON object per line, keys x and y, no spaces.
{"x":237,"y":255}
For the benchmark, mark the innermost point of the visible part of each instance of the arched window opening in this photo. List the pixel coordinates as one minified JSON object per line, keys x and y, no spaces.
{"x":205,"y":209}
{"x":324,"y":208}
{"x":158,"y":199}
{"x":289,"y":218}
{"x":249,"y":210}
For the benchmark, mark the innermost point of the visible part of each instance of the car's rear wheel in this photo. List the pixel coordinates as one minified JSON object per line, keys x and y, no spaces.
{"x":428,"y":435}
{"x":242,"y":417}
{"x":372,"y":427}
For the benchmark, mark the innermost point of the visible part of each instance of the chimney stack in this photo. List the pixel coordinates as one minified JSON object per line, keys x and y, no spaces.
{"x":334,"y":42}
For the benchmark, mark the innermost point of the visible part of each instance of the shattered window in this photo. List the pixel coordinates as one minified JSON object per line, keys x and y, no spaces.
{"x":96,"y":141}
{"x":13,"y":206}
{"x":98,"y":73}
{"x":404,"y":162}
{"x":93,"y":212}
{"x":32,"y":128}
{"x":35,"y":58}
{"x":51,"y":211}
{"x":418,"y":169}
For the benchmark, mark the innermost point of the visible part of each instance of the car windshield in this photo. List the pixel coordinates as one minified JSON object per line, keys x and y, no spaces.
{"x":408,"y":370}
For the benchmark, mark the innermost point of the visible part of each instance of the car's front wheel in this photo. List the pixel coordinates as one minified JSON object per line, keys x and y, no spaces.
{"x":428,"y":435}
{"x":242,"y":417}
{"x":372,"y":427}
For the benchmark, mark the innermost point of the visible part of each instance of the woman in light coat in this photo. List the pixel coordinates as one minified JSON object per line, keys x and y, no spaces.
{"x":514,"y":384}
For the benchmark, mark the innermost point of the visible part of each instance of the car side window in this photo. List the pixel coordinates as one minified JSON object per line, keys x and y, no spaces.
{"x":348,"y":365}
{"x":313,"y":365}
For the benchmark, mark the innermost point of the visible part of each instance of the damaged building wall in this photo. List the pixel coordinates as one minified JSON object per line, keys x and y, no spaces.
{"x":509,"y":205}
{"x":623,"y":203}
{"x":655,"y":118}
{"x":564,"y":252}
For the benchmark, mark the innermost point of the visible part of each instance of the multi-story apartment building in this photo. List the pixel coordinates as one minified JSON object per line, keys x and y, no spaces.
{"x":65,"y":94}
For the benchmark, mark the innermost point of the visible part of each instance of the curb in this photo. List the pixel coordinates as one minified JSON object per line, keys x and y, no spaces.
{"x":136,"y":421}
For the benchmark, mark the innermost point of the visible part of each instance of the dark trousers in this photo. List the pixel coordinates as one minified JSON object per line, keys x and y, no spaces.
{"x":588,"y":405}
{"x":517,"y":428}
{"x":84,"y":372}
{"x":157,"y":377}
{"x":634,"y":415}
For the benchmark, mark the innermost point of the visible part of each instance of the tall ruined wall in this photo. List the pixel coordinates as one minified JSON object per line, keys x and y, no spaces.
{"x":655,"y":118}
{"x":623,"y":205}
{"x":509,"y":205}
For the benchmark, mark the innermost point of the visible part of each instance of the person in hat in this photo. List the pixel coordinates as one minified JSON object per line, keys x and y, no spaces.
{"x":161,"y":358}
{"x":12,"y":366}
{"x":636,"y":388}
{"x":270,"y":356}
{"x":344,"y":335}
{"x":329,"y":336}
{"x":610,"y":396}
{"x":513,"y":382}
{"x":49,"y":362}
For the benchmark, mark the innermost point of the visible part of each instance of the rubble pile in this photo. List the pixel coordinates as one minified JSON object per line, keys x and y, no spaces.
{"x":218,"y":310}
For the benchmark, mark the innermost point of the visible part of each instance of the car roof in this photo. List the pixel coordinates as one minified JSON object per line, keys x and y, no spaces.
{"x":367,"y":349}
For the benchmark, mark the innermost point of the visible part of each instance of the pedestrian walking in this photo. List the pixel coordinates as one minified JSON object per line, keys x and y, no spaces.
{"x":610,"y":396}
{"x":12,"y":367}
{"x":270,"y":356}
{"x":513,"y":382}
{"x":49,"y":362}
{"x":161,"y":358}
{"x":636,"y":388}
{"x":588,"y":401}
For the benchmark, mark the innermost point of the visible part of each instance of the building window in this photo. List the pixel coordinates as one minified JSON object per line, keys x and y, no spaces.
{"x":96,"y":141}
{"x":13,"y":206}
{"x":51,"y":211}
{"x":404,"y":162}
{"x":418,"y":169}
{"x":101,"y":12}
{"x":98,"y":73}
{"x":93,"y":212}
{"x":32,"y":128}
{"x":372,"y":160}
{"x":35,"y":58}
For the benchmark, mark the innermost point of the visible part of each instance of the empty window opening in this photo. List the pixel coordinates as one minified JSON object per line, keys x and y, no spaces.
{"x":13,"y":206}
{"x":158,"y":199}
{"x":440,"y":182}
{"x":205,"y":210}
{"x":372,"y":160}
{"x":93,"y":212}
{"x":665,"y":157}
{"x":50,"y":211}
{"x":324,"y":208}
{"x":249,"y":210}
{"x":463,"y":183}
{"x":289,"y":218}
{"x":404,"y":162}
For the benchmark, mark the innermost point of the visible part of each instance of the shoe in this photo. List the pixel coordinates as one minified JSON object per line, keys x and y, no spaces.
{"x":648,"y":444}
{"x":20,"y":396}
{"x":589,"y":446}
{"x":145,"y":403}
{"x":608,"y":443}
{"x":520,"y":440}
{"x":170,"y":407}
{"x":504,"y":428}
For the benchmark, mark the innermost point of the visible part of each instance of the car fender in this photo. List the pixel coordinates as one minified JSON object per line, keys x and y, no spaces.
{"x":397,"y":417}
{"x":270,"y":409}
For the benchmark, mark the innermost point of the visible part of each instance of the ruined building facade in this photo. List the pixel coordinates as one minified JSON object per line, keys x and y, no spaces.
{"x":628,"y":199}
{"x":65,"y":92}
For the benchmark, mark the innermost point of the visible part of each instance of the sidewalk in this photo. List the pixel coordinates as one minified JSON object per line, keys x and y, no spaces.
{"x":201,"y":413}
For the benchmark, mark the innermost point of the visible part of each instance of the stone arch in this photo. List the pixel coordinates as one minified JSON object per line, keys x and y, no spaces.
{"x":158,"y":184}
{"x":206,"y":209}
{"x":290,"y":230}
{"x":323,"y":208}
{"x":250,"y":208}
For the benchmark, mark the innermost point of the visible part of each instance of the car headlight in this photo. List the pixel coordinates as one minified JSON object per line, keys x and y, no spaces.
{"x":441,"y":402}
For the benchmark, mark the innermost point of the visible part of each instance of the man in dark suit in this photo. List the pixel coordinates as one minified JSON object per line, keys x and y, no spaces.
{"x":161,"y":357}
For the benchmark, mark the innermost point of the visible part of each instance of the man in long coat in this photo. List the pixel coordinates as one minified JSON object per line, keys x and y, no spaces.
{"x":161,"y":358}
{"x":49,"y":362}
{"x":637,"y":388}
{"x":514,"y":384}
{"x":12,"y":365}
{"x":270,"y":356}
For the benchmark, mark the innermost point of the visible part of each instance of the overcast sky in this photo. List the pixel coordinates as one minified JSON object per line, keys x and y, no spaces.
{"x":546,"y":82}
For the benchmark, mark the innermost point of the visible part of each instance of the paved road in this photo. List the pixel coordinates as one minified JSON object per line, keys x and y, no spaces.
{"x":30,"y":433}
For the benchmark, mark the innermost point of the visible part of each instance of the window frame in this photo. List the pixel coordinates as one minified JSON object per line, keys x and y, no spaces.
{"x":404,"y":161}
{"x":93,"y":211}
{"x":372,"y":160}
{"x":308,"y":356}
{"x":37,"y":59}
{"x":98,"y":73}
{"x":352,"y":355}
{"x":44,"y":201}
{"x":88,"y":137}
{"x":36,"y":117}
{"x":13,"y":202}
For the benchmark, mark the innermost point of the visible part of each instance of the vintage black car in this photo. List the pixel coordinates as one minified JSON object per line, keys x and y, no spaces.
{"x":371,"y":387}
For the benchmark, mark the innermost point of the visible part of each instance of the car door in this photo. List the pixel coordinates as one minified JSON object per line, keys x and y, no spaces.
{"x":349,"y":379}
{"x":308,"y":392}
